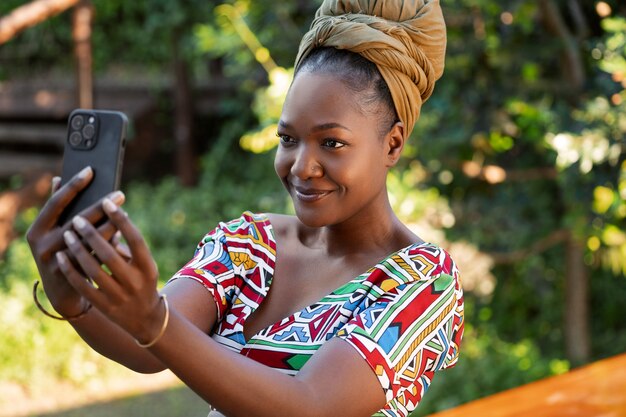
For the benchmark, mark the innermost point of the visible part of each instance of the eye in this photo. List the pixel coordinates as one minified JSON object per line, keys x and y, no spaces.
{"x":333,"y":143}
{"x":285,"y":139}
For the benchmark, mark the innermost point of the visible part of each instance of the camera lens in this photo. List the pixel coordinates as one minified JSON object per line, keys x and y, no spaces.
{"x":89,"y":131}
{"x":75,"y":139}
{"x":77,"y":122}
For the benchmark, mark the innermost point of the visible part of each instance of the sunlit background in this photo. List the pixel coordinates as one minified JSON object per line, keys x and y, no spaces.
{"x":517,"y":167}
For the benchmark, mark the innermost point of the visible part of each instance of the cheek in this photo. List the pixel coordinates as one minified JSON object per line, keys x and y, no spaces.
{"x":280,"y":164}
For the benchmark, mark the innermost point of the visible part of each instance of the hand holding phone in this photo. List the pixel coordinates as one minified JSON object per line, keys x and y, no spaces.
{"x":95,"y":138}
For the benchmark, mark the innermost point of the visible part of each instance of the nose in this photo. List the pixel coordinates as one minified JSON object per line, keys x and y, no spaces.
{"x":306,"y":163}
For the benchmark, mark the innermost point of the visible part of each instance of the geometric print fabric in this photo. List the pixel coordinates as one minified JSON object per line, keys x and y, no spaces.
{"x":404,"y":316}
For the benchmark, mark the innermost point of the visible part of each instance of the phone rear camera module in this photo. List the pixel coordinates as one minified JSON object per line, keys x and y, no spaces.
{"x":89,"y":131}
{"x":77,"y":122}
{"x":75,"y":139}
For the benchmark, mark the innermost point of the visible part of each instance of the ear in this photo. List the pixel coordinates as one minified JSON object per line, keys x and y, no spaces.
{"x":394,"y":141}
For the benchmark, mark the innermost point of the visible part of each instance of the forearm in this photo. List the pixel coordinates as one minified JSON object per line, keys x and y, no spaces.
{"x":110,"y":340}
{"x":221,"y":377}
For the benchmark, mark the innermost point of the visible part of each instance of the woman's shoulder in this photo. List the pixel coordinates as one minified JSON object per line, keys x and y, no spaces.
{"x":251,"y":226}
{"x":284,"y":226}
{"x":282,"y":222}
{"x":248,"y":228}
{"x":421,"y":261}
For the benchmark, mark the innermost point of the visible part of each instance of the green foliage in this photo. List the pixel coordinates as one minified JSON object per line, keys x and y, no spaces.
{"x":506,"y":104}
{"x":35,"y":350}
{"x":125,"y":34}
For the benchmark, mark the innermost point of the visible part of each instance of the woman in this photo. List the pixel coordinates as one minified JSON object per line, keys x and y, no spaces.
{"x":339,"y":310}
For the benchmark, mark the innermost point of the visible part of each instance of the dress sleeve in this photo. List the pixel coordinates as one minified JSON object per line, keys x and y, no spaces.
{"x":408,"y":333}
{"x":234,"y":260}
{"x":212,"y":266}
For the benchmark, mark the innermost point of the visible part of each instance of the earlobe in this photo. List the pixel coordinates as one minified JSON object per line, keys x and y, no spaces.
{"x":395,"y":143}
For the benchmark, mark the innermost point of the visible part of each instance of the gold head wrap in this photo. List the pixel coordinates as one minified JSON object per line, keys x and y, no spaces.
{"x":405,"y":39}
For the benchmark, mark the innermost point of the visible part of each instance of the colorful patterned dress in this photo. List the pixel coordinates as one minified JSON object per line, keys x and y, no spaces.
{"x":404,"y":316}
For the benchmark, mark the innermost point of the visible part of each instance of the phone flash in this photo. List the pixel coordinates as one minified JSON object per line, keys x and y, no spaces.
{"x":91,"y":119}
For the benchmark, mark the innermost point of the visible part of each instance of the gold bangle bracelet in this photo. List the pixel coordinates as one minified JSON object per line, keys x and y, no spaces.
{"x":162,"y":331}
{"x":52,"y":316}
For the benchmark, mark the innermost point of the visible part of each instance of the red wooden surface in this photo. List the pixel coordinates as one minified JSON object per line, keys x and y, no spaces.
{"x":595,"y":390}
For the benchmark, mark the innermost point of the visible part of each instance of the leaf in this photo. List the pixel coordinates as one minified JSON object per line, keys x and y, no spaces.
{"x":603,"y":198}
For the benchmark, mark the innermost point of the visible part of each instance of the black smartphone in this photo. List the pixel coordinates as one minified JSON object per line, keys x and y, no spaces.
{"x":95,"y":138}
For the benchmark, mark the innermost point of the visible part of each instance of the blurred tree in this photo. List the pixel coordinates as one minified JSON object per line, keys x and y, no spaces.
{"x":518,"y":180}
{"x":152,"y":34}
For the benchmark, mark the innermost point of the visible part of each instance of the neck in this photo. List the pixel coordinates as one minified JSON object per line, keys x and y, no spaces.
{"x":375,"y":229}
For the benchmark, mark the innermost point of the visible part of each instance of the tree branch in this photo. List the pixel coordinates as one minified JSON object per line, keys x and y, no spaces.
{"x":12,"y":202}
{"x":572,"y":65}
{"x":539,"y":246}
{"x":494,"y":174}
{"x":29,"y":15}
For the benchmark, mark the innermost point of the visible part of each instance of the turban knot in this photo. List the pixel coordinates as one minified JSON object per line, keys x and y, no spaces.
{"x":406,"y":40}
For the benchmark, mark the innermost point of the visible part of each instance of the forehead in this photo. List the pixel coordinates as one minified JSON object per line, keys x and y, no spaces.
{"x":321,"y":98}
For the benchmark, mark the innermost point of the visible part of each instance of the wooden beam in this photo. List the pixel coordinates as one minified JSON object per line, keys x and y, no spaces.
{"x":81,"y":32}
{"x":12,"y":163}
{"x":29,"y":15}
{"x":590,"y":391}
{"x":33,"y":134}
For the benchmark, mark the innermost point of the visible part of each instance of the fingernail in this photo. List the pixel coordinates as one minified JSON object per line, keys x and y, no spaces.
{"x":79,"y":222}
{"x":117,"y":197}
{"x":69,"y":237}
{"x":60,"y":258}
{"x":109,"y":206}
{"x":84,"y":173}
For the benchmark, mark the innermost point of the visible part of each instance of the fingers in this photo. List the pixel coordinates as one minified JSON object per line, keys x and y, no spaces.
{"x":103,"y":249}
{"x":89,"y":265}
{"x":56,"y":184}
{"x":120,"y":247}
{"x":108,"y":231}
{"x":136,"y":244}
{"x":94,"y":213}
{"x":49,"y":215}
{"x":52,"y":242}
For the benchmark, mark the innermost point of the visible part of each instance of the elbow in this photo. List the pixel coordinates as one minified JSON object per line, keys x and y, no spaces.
{"x":144,"y":366}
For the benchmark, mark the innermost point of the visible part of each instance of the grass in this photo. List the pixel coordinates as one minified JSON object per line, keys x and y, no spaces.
{"x":179,"y":402}
{"x":128,"y":394}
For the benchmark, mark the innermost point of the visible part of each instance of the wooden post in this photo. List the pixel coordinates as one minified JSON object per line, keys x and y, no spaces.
{"x":576,"y":315}
{"x":81,"y":33}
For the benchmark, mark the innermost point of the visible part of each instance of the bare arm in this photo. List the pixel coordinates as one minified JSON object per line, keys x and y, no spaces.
{"x":336,"y":380}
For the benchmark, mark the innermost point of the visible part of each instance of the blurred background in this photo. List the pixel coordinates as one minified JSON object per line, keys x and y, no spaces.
{"x":517,"y":167}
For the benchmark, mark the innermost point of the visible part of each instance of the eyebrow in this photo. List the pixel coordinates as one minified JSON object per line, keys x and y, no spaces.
{"x":323,"y":126}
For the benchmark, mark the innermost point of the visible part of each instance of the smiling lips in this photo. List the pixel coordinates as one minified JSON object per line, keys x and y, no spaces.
{"x":310,"y":195}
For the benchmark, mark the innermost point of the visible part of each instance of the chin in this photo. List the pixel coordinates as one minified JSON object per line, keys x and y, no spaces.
{"x":312,"y":217}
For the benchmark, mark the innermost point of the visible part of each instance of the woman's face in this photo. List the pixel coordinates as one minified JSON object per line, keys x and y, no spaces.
{"x":331,"y":157}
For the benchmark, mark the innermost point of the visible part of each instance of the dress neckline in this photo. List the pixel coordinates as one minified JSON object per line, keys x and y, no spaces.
{"x":359,"y":278}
